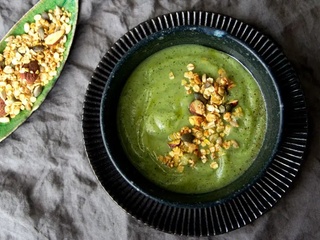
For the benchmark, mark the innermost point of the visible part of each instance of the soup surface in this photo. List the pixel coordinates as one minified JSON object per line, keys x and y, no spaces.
{"x":154,"y":105}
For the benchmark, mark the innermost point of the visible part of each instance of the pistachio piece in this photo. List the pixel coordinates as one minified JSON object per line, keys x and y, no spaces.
{"x":200,"y":97}
{"x":230,"y":105}
{"x":188,"y":137}
{"x":45,"y":15}
{"x":38,"y":48}
{"x":41,"y":33}
{"x":197,"y":107}
{"x":222,"y":109}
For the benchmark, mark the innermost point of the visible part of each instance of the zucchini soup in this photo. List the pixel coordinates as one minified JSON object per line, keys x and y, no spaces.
{"x":191,"y":119}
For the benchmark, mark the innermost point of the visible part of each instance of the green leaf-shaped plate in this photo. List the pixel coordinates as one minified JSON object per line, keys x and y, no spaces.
{"x":72,"y":7}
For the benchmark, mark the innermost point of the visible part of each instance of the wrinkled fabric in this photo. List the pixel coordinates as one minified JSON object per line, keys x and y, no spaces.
{"x":49,"y":191}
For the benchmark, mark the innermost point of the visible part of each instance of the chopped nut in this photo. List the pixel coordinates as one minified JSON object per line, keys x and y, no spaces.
{"x":216,"y":99}
{"x":230,"y":105}
{"x":197,"y":107}
{"x":222,"y":109}
{"x":209,"y":125}
{"x":2,"y":108}
{"x":54,"y":38}
{"x":210,"y":108}
{"x":196,"y":88}
{"x":3,"y":95}
{"x":27,"y":63}
{"x":210,"y":80}
{"x":195,"y":120}
{"x":37,"y":90}
{"x":200,"y":97}
{"x":234,"y":123}
{"x":187,"y":137}
{"x":30,"y":72}
{"x":212,"y":119}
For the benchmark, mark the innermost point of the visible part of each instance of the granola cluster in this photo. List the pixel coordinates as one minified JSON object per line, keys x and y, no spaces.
{"x":211,"y":120}
{"x":30,"y":60}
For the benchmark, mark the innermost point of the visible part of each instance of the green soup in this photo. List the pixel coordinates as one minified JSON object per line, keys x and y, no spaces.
{"x":152,"y":106}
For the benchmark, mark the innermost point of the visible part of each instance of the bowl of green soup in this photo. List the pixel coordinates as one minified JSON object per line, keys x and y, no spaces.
{"x":195,"y":123}
{"x":190,"y":116}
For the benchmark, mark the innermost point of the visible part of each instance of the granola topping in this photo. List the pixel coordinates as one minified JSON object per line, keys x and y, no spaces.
{"x":30,"y":60}
{"x":211,"y":120}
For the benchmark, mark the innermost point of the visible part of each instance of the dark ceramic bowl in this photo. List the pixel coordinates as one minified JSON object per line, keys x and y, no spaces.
{"x":209,"y":37}
{"x":259,"y":188}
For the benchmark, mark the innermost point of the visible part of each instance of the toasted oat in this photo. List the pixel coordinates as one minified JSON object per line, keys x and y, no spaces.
{"x":211,"y":120}
{"x":190,"y":67}
{"x":28,"y":63}
{"x":171,"y":75}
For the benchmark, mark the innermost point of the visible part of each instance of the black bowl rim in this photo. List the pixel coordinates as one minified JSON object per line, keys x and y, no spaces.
{"x":163,"y":197}
{"x":249,"y":205}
